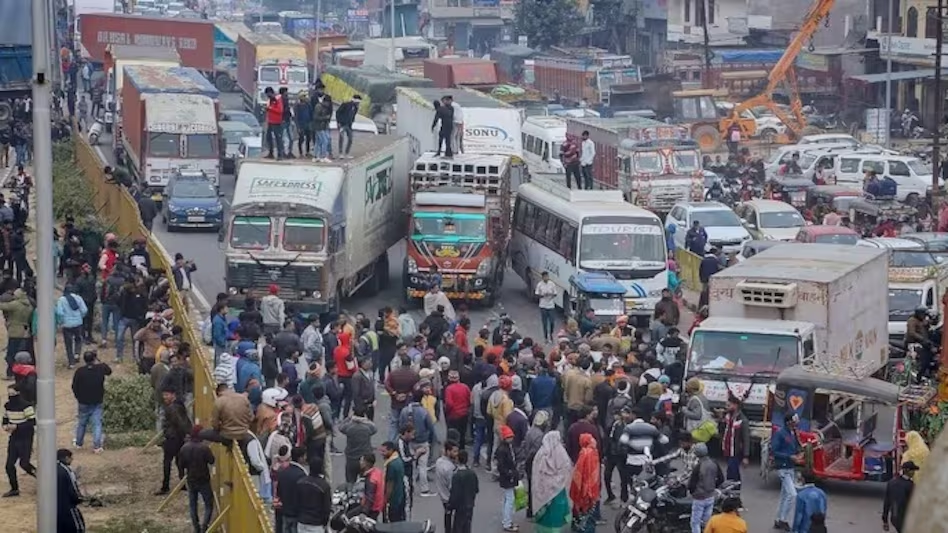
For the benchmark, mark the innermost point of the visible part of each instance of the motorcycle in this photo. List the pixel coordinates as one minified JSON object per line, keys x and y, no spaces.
{"x":95,"y":131}
{"x":348,"y":516}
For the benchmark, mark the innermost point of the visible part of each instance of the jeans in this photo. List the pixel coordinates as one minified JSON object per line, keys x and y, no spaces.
{"x":20,"y":150}
{"x":587,"y":171}
{"x":393,"y":417}
{"x":306,"y":528}
{"x":19,"y":450}
{"x":444,"y":139}
{"x":734,"y":468}
{"x":546,"y":318}
{"x":72,"y":340}
{"x":481,"y":429}
{"x":14,"y":346}
{"x":275,"y":139}
{"x":170,"y":447}
{"x":204,"y":491}
{"x":110,"y":320}
{"x":89,"y":413}
{"x":288,"y":137}
{"x":304,"y":139}
{"x":323,"y":142}
{"x":345,"y":131}
{"x":507,"y":509}
{"x":701,"y":513}
{"x":125,"y":324}
{"x":788,"y":493}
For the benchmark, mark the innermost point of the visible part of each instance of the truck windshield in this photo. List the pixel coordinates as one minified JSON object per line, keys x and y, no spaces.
{"x":292,"y":75}
{"x":250,"y":233}
{"x":616,"y":243}
{"x":303,"y":235}
{"x":685,"y":161}
{"x":456,"y":227}
{"x":164,"y":145}
{"x":648,"y":163}
{"x":202,"y":145}
{"x":742,"y":353}
{"x":903,"y":302}
{"x":913,"y":259}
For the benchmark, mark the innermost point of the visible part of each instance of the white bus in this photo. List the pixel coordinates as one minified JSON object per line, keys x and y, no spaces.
{"x":542,"y":138}
{"x":563,"y":231}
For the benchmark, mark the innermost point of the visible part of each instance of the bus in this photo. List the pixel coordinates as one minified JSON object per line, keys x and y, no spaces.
{"x":563,"y":232}
{"x":542,"y":138}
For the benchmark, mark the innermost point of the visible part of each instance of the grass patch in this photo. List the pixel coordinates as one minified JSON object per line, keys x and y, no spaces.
{"x":135,"y":524}
{"x":131,"y":439}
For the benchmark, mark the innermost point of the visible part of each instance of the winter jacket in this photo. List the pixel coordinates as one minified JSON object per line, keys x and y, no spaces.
{"x":219,"y":331}
{"x":499,"y":406}
{"x":457,"y":401}
{"x":304,"y":115}
{"x":735,"y":440}
{"x":507,"y":473}
{"x":358,"y":432}
{"x":421,"y":420}
{"x":70,"y":310}
{"x":246,"y":370}
{"x":275,"y":111}
{"x":705,"y":479}
{"x":783,"y":446}
{"x":134,"y":305}
{"x":322,"y":115}
{"x":363,"y":389}
{"x":542,"y":389}
{"x":346,"y":114}
{"x":577,"y":389}
{"x":810,"y":501}
{"x":273,"y":310}
{"x":18,"y":314}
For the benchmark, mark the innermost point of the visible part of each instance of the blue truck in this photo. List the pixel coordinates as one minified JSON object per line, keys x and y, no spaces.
{"x":16,"y":55}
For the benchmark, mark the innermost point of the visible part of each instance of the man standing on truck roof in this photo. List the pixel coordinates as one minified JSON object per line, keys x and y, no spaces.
{"x":287,"y":121}
{"x":274,"y":116}
{"x":586,"y":158}
{"x":345,"y":118}
{"x":322,"y":115}
{"x":569,"y":155}
{"x":444,"y":113}
{"x":458,"y":123}
{"x":304,"y":125}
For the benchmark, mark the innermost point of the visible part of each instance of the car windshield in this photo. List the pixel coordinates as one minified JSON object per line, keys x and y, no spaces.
{"x":614,"y":243}
{"x":648,"y":162}
{"x":742,"y":353}
{"x":193,"y":189}
{"x":234,"y":136}
{"x":781,"y":219}
{"x":920,"y":168}
{"x":903,"y":258}
{"x":903,"y":302}
{"x":250,"y":233}
{"x":722,"y":218}
{"x":303,"y":234}
{"x":450,"y":227}
{"x":838,"y":238}
{"x":685,"y":161}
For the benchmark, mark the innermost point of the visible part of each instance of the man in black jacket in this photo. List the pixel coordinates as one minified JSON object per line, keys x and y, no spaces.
{"x":464,"y":489}
{"x":88,"y":387}
{"x":176,"y":428}
{"x":196,"y":459}
{"x":709,"y":266}
{"x":85,"y":288}
{"x":898,"y":493}
{"x":288,"y":491}
{"x":68,"y":496}
{"x":315,"y":499}
{"x":444,"y":113}
{"x":19,"y":420}
{"x":345,"y":118}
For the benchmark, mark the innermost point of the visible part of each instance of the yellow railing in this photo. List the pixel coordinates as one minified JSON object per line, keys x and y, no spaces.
{"x":688,"y":268}
{"x":239,"y":507}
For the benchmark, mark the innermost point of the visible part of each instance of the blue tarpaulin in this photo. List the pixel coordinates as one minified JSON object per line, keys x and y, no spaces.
{"x":747,"y":56}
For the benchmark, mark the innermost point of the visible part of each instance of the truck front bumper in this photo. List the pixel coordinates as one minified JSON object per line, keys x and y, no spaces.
{"x":454,"y":286}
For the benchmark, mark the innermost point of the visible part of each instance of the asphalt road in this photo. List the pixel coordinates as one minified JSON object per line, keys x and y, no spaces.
{"x":853,"y":507}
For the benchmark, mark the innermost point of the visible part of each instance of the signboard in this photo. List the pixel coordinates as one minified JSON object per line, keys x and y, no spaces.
{"x":492,"y":131}
{"x":620,"y":76}
{"x":487,"y":12}
{"x":814,"y":62}
{"x":357,"y":15}
{"x":877,"y":125}
{"x":620,"y":229}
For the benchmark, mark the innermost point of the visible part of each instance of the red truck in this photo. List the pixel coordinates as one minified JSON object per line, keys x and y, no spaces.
{"x":193,"y":39}
{"x":576,"y":78}
{"x":450,"y":72}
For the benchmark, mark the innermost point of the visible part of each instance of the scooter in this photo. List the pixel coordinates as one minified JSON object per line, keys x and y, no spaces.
{"x":95,"y":130}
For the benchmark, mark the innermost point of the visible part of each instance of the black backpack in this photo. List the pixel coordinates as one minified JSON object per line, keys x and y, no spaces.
{"x":485,"y":397}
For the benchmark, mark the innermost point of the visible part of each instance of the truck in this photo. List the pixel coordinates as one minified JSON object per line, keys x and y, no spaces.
{"x":490,"y":126}
{"x":119,"y":56}
{"x":320,"y":232}
{"x":196,"y":41}
{"x":912,"y":287}
{"x":822,"y":306}
{"x":169,"y":123}
{"x":83,"y":8}
{"x":269,"y":60}
{"x":655,"y":165}
{"x":16,"y":57}
{"x":297,"y":24}
{"x":226,"y":35}
{"x":460,"y":224}
{"x":451,"y":72}
{"x":409,"y":53}
{"x":587,"y":78}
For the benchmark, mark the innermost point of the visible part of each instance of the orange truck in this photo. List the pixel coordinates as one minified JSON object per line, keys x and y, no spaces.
{"x":459,"y":226}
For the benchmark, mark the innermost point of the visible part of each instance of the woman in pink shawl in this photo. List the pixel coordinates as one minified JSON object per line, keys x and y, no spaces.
{"x":552,"y":473}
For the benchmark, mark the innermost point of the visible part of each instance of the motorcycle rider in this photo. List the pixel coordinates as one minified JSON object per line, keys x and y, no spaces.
{"x":916,"y":332}
{"x":704,"y":481}
{"x":715,"y":193}
{"x":640,"y":437}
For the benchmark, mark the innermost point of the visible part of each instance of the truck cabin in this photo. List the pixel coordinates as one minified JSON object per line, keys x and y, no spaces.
{"x":653,"y":158}
{"x":749,"y":348}
{"x":450,"y":223}
{"x":181,"y":126}
{"x":290,"y":73}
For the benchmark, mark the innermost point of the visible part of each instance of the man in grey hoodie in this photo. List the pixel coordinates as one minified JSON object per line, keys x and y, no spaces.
{"x":273,"y":311}
{"x":483,"y":427}
{"x":358,"y":431}
{"x":705,"y":479}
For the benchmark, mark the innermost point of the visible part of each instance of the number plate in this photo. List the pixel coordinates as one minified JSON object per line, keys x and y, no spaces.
{"x":195,"y":219}
{"x":156,"y":197}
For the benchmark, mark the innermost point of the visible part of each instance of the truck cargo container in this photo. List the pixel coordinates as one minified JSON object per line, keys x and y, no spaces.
{"x":82,"y":9}
{"x":117,"y":57}
{"x":226,"y":35}
{"x":193,"y":39}
{"x":822,"y":306}
{"x":318,"y":231}
{"x":296,"y":24}
{"x":460,"y":224}
{"x":169,"y":123}
{"x":490,"y":126}
{"x":270,"y":60}
{"x":450,"y":72}
{"x":579,"y":78}
{"x":409,"y":52}
{"x":655,"y":165}
{"x":329,"y":43}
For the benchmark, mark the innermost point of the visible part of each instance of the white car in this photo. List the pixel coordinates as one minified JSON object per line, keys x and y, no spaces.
{"x":770,"y":220}
{"x":768,"y":125}
{"x":722,"y":225}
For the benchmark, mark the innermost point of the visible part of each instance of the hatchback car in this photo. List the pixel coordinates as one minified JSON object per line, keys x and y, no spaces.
{"x":191,"y":200}
{"x":751,"y":248}
{"x":827,"y":235}
{"x":770,"y":219}
{"x":723,"y":227}
{"x":246,"y":117}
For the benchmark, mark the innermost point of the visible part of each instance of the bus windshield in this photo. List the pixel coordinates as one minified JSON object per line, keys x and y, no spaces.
{"x":456,"y":227}
{"x":742,"y":353}
{"x":616,"y":243}
{"x":250,"y":233}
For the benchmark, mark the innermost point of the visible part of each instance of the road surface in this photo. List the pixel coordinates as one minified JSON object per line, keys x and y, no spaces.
{"x":853,"y":507}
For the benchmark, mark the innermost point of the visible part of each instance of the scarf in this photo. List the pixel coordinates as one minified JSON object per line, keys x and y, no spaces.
{"x":552,"y":470}
{"x":584,"y":491}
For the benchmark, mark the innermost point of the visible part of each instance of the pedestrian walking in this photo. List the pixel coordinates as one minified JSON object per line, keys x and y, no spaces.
{"x":181,"y":271}
{"x":585,"y":486}
{"x":88,"y":387}
{"x":898,"y":494}
{"x":69,"y":518}
{"x":785,"y":449}
{"x":83,"y":108}
{"x":547,"y":292}
{"x":463,"y":497}
{"x":196,"y":459}
{"x":508,"y":476}
{"x":148,"y":211}
{"x":287,"y":122}
{"x":175,"y":429}
{"x":396,"y":485}
{"x":71,"y":310}
{"x":19,"y":421}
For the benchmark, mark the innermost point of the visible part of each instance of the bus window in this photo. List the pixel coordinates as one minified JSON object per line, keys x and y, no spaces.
{"x":567,"y":246}
{"x":546,"y":151}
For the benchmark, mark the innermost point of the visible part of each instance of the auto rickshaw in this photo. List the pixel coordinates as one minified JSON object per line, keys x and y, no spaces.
{"x":866,"y":215}
{"x":600,"y":292}
{"x":791,"y":189}
{"x":851,"y":429}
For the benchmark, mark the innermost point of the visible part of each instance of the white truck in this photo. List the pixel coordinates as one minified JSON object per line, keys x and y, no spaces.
{"x":911,"y":288}
{"x":119,"y":56}
{"x":318,"y":231}
{"x":822,"y":306}
{"x":409,"y":52}
{"x":490,"y":126}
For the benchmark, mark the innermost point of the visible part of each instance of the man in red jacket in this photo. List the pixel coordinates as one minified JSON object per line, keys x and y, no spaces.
{"x":457,"y":403}
{"x":346,"y":367}
{"x":274,"y":123}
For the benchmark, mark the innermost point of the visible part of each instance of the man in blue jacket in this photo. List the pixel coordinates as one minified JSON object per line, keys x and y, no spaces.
{"x":219,"y":330}
{"x":304,"y":125}
{"x":70,"y":312}
{"x":785,"y":448}
{"x":696,"y":239}
{"x":811,"y":501}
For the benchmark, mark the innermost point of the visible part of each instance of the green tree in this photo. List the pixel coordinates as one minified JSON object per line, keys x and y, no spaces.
{"x":548,"y":23}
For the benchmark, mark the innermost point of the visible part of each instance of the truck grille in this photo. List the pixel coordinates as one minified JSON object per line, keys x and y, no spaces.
{"x":291,"y":279}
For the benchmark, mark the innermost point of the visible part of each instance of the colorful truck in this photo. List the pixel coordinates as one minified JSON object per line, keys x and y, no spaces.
{"x":460,"y":224}
{"x":169,"y":123}
{"x":591,"y":78}
{"x":119,"y":56}
{"x":269,"y":60}
{"x":822,"y":306}
{"x":655,"y":165}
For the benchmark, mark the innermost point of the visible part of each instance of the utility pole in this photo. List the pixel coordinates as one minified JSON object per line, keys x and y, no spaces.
{"x":45,"y":362}
{"x":939,"y":104}
{"x":391,"y":52}
{"x":888,"y":75}
{"x":317,"y":17}
{"x":705,"y":11}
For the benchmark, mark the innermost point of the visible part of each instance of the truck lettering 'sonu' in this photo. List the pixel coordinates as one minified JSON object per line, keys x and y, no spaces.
{"x":483,"y":132}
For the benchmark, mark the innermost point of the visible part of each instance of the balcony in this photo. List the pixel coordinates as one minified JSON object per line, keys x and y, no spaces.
{"x":471,"y":9}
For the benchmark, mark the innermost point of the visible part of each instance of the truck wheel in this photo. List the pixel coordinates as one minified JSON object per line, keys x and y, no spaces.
{"x":223,"y":83}
{"x":708,"y":137}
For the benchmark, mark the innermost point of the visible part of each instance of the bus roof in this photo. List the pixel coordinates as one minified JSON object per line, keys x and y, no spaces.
{"x":576,"y":205}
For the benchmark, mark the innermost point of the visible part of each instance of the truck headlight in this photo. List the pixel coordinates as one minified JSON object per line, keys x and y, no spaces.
{"x":483,"y":269}
{"x":412,"y":266}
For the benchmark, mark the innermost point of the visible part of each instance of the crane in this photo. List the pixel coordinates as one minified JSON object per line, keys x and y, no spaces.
{"x":784,"y":72}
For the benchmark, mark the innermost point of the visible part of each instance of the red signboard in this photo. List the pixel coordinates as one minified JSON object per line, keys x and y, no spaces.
{"x":193,"y":39}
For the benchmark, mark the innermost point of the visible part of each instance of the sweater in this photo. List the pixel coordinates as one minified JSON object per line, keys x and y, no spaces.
{"x":88,"y":383}
{"x":358,"y":432}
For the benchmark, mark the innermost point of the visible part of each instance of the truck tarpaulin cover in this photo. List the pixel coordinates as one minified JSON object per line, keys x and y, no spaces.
{"x":16,"y":20}
{"x":186,"y":80}
{"x":747,"y":56}
{"x":193,"y":39}
{"x":378,"y":84}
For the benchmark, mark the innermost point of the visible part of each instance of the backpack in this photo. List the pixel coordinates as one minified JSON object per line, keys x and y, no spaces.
{"x":111,"y":294}
{"x":207,"y":329}
{"x":888,"y":187}
{"x":485,"y":397}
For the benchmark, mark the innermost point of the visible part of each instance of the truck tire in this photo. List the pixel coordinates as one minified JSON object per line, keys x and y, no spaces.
{"x":708,"y":137}
{"x":6,"y":112}
{"x":224,"y":83}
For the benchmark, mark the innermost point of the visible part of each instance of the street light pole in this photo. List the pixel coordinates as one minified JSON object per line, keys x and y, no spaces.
{"x":391,"y":52}
{"x":45,"y":362}
{"x":888,"y":76}
{"x":939,"y":101}
{"x":319,"y":11}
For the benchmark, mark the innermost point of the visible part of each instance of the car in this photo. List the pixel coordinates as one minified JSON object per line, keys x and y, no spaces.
{"x":751,"y":248}
{"x":250,"y":148}
{"x":192,"y":200}
{"x":827,"y":235}
{"x":723,"y":227}
{"x":830,"y":138}
{"x":231,"y":133}
{"x":770,"y":219}
{"x":904,"y":253}
{"x":246,"y":117}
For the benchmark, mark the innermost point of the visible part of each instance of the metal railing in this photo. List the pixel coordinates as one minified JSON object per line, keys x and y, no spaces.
{"x":688,"y":269}
{"x":239,"y":506}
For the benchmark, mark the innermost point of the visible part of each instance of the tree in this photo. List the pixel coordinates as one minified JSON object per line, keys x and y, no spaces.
{"x":548,"y":23}
{"x":613,"y":17}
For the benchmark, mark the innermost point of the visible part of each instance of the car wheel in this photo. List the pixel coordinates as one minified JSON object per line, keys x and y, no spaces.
{"x":768,"y":135}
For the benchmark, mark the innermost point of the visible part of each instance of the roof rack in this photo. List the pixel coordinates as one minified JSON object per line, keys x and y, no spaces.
{"x":489,"y":173}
